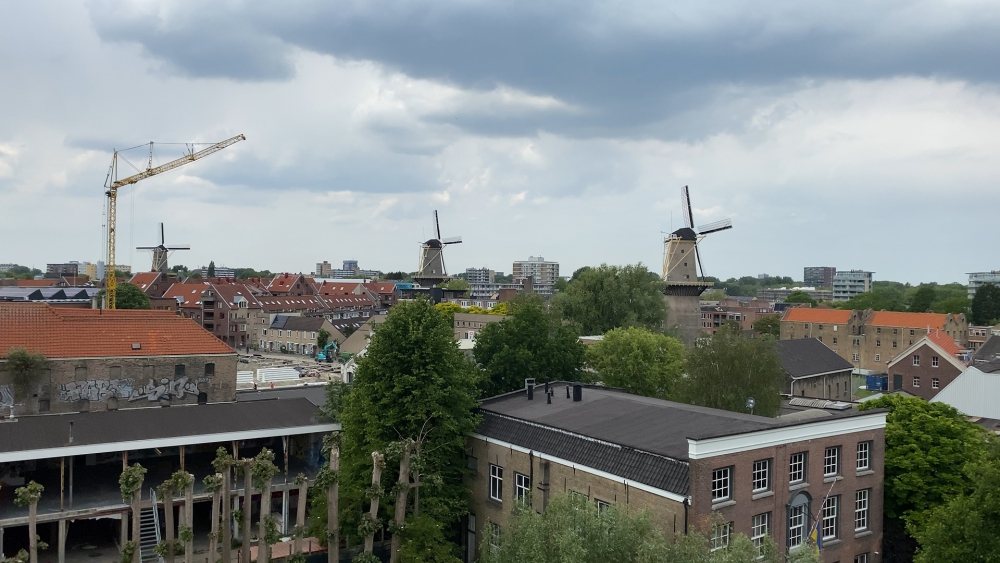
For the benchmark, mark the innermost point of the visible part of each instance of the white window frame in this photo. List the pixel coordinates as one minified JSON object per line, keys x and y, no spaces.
{"x":494,"y":539}
{"x":864,"y":458}
{"x":522,"y":487}
{"x":861,"y":558}
{"x":831,"y":460}
{"x":722,"y":484}
{"x":796,"y":525}
{"x":916,"y":360}
{"x":761,"y":475}
{"x":720,"y":535}
{"x":862,"y":506}
{"x":855,"y":358}
{"x":602,"y":505}
{"x":831,"y":515}
{"x":934,"y":361}
{"x":797,"y":466}
{"x":916,"y":381}
{"x":760,"y":528}
{"x":496,"y":483}
{"x":878,"y":357}
{"x":935,"y":383}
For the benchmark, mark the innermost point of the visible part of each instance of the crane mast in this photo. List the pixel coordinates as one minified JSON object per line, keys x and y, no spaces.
{"x":112,"y":185}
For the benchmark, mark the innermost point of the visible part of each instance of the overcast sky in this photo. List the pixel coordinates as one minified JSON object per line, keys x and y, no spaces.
{"x":853,"y":134}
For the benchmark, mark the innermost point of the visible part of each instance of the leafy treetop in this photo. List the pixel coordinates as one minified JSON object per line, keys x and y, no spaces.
{"x":600,"y":299}
{"x":639,"y":361}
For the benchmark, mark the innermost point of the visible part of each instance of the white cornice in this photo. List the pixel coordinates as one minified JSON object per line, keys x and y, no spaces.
{"x":725,"y":445}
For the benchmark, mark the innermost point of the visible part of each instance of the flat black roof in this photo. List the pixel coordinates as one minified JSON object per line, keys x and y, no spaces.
{"x":34,"y":437}
{"x":316,"y":394}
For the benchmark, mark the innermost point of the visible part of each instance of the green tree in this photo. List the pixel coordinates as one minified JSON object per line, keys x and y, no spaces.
{"x":397,"y":276}
{"x":413,"y":381}
{"x":880,"y":299}
{"x":528,"y":343}
{"x":211,"y":269}
{"x":25,"y":368}
{"x":964,"y":529}
{"x":923,"y":299}
{"x":128,"y":296}
{"x":768,"y":325}
{"x":600,"y":299}
{"x":639,"y":361}
{"x":714,"y":295}
{"x":986,"y":305}
{"x":322,"y":339}
{"x":926,"y":448}
{"x":424,"y":542}
{"x":800,"y":297}
{"x":457,"y":285}
{"x":730,"y":368}
{"x":956,"y":304}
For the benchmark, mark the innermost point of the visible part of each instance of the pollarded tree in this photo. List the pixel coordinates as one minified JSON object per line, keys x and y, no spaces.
{"x":412,"y":373}
{"x":730,"y":368}
{"x":639,"y":361}
{"x":25,"y":368}
{"x":600,"y":299}
{"x":29,"y":496}
{"x":528,"y":343}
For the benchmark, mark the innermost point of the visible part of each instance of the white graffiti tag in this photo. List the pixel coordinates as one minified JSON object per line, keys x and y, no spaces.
{"x":103,"y":389}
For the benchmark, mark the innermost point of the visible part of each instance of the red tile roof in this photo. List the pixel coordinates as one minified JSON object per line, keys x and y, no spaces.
{"x":144,"y":279}
{"x":58,"y":332}
{"x":283,"y":283}
{"x":820,"y":315}
{"x":37,"y":283}
{"x":908,"y":320}
{"x":381,"y":287}
{"x":189,"y":293}
{"x":337,"y":288}
{"x":946,"y":342}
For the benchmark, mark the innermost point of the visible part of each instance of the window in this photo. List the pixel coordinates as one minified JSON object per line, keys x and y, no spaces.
{"x":522,"y":487}
{"x":855,"y":358}
{"x":895,"y":344}
{"x":796,"y":525}
{"x":834,"y":338}
{"x":496,"y":483}
{"x":797,"y":468}
{"x":831,"y":510}
{"x":878,"y":330}
{"x":878,"y":357}
{"x":831,"y":461}
{"x":935,"y":383}
{"x":878,"y":343}
{"x":313,"y":333}
{"x":916,"y":381}
{"x":821,"y":327}
{"x":861,"y":509}
{"x":863,"y":558}
{"x":281,"y":333}
{"x":760,"y":529}
{"x":721,"y":489}
{"x":912,"y":332}
{"x":80,"y":374}
{"x":857,"y":341}
{"x":209,"y":370}
{"x":916,"y":360}
{"x":895,"y":331}
{"x":180,"y":370}
{"x":761,"y":475}
{"x":934,"y":361}
{"x":864,"y":456}
{"x":494,"y":536}
{"x":602,"y":506}
{"x":263,"y":332}
{"x":720,"y":535}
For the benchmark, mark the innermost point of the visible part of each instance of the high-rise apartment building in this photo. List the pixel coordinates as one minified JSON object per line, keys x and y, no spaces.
{"x":323,"y":269}
{"x":818,"y":276}
{"x":849,"y":283}
{"x":56,"y":270}
{"x":477,"y":276}
{"x":977,"y":279}
{"x":544,"y":273}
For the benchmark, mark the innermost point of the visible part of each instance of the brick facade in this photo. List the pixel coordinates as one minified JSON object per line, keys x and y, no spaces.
{"x":932,"y":374}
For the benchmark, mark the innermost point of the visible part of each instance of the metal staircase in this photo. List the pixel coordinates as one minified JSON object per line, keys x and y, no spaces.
{"x":149,"y":532}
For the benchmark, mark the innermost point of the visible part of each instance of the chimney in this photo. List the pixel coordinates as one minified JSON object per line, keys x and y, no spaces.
{"x":548,"y":398}
{"x":577,"y":393}
{"x":531,"y":391}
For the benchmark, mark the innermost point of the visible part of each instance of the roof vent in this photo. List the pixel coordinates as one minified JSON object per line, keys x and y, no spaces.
{"x":136,"y":346}
{"x":577,"y":393}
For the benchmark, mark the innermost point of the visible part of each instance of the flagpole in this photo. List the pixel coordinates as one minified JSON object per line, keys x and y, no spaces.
{"x":818,"y":520}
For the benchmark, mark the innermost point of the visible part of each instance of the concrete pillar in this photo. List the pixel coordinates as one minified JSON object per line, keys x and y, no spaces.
{"x":284,"y":510}
{"x":123,"y":533}
{"x":71,"y":481}
{"x":63,"y":524}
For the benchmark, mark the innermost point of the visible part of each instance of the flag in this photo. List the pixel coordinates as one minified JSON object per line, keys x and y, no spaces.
{"x":816,"y":536}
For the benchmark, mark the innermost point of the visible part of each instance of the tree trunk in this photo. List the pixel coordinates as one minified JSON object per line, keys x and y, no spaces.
{"x":32,"y":533}
{"x":168,"y":523}
{"x":189,"y":520}
{"x":300,"y":516}
{"x":227,"y":518}
{"x":137,"y":522}
{"x":263,"y":548}
{"x":245,"y":528}
{"x":213,"y":541}
{"x":376,"y":481}
{"x":333,"y":509}
{"x":402,"y":494}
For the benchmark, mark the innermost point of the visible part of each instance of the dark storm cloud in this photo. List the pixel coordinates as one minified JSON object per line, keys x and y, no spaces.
{"x":624,"y":67}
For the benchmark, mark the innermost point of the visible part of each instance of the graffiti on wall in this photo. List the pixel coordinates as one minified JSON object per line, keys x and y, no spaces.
{"x":127,"y":389}
{"x":6,"y":396}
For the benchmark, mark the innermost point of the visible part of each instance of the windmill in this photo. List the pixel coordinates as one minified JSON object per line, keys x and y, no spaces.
{"x":431,"y":270}
{"x":678,"y":264}
{"x":162,"y":252}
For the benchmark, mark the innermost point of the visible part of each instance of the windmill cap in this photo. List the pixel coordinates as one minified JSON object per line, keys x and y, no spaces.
{"x":685,"y":234}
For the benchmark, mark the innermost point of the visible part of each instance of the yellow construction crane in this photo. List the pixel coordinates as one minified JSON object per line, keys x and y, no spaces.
{"x":112,"y":183}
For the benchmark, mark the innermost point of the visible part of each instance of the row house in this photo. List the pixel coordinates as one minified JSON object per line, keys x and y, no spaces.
{"x":869,"y":339}
{"x":230,"y":311}
{"x":292,"y":285}
{"x":927,"y":367}
{"x":298,"y":335}
{"x":690,"y":468}
{"x":745,"y":313}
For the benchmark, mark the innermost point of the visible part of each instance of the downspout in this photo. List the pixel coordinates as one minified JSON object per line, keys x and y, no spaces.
{"x":531,"y":472}
{"x":687,"y":503}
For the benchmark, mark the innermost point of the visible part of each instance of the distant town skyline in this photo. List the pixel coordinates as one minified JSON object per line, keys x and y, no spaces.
{"x":846,"y":134}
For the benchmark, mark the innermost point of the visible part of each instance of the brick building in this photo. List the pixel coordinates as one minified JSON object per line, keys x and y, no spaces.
{"x":869,"y":339}
{"x":745,"y":313}
{"x":927,"y":367}
{"x":98,"y":359}
{"x":468,"y":325}
{"x":298,"y":335}
{"x":814,"y":370}
{"x":682,"y":464}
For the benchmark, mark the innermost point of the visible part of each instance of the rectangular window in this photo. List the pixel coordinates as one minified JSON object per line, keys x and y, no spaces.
{"x":861,"y":509}
{"x":720,"y":535}
{"x":831,"y":462}
{"x":912,"y":332}
{"x":878,"y":330}
{"x":522,"y":487}
{"x":313,"y":333}
{"x":834,"y":338}
{"x":878,"y":343}
{"x":797,"y":468}
{"x":602,"y":506}
{"x":496,"y":483}
{"x":80,"y":374}
{"x":916,"y":381}
{"x":935,"y":383}
{"x":761,"y":475}
{"x":796,"y":525}
{"x":209,"y":369}
{"x":831,"y":511}
{"x":934,"y":361}
{"x":494,"y":537}
{"x":895,"y":344}
{"x":721,"y":489}
{"x":180,"y":370}
{"x":863,"y":558}
{"x":760,"y":529}
{"x":916,"y":360}
{"x":264,"y":332}
{"x":864,"y":456}
{"x":878,"y":357}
